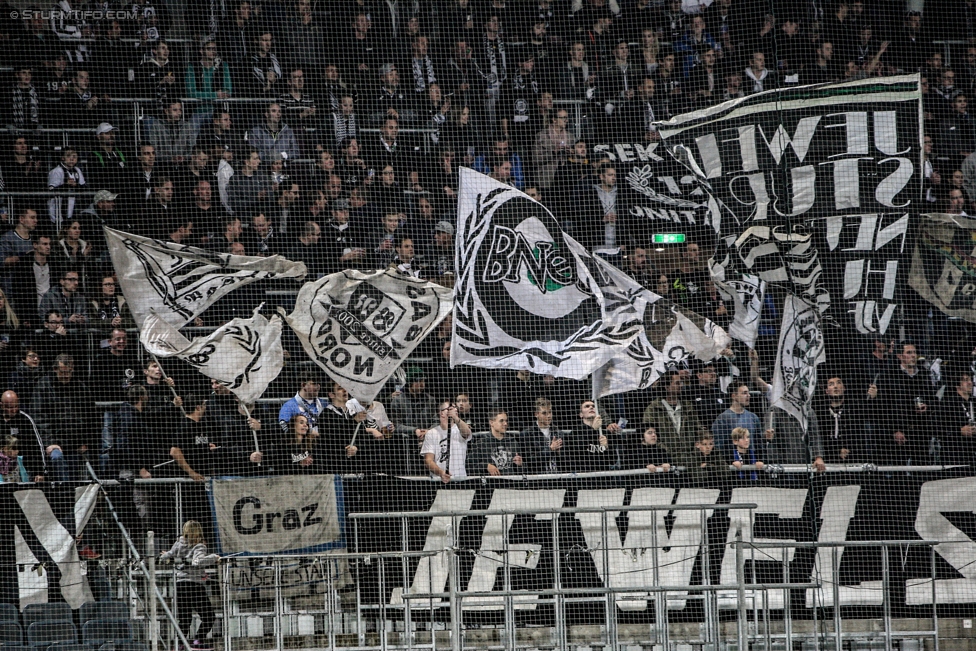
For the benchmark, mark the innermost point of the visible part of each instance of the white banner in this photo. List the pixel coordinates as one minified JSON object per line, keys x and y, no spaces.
{"x":801,"y":349}
{"x":670,"y":335}
{"x":245,"y":355}
{"x":277,"y":514}
{"x":528,"y":296}
{"x":180,"y":282}
{"x":359,"y":327}
{"x":747,"y":293}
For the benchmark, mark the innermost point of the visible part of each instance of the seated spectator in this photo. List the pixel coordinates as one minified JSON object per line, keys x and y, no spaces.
{"x":495,"y":453}
{"x":72,"y":251}
{"x":64,"y":412}
{"x":292,"y":454}
{"x":81,"y":106}
{"x":646,"y":453}
{"x":743,"y":453}
{"x":27,"y":373}
{"x":15,"y":424}
{"x":274,"y":136}
{"x":501,"y":154}
{"x":307,"y":249}
{"x":306,"y":402}
{"x":24,"y":107}
{"x":21,"y":171}
{"x":391,"y":101}
{"x":69,"y":176}
{"x":67,"y":299}
{"x":194,"y":445}
{"x":219,"y":136}
{"x":172,"y":137}
{"x":737,"y":415}
{"x":588,"y":449}
{"x":342,"y":245}
{"x":17,"y":243}
{"x":541,"y":442}
{"x":247,"y":188}
{"x":445,"y":446}
{"x":207,"y":80}
{"x":299,"y":107}
{"x":674,"y":420}
{"x":157,"y":75}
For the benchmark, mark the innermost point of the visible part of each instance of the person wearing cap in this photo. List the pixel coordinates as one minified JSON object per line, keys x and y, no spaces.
{"x":106,"y":162}
{"x":441,"y":258}
{"x":342,"y":241}
{"x":100,"y":213}
{"x":24,"y":107}
{"x":413,"y":410}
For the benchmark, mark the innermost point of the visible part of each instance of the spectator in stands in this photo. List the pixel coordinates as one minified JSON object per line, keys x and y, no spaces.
{"x":193,"y":449}
{"x":172,"y":137}
{"x":24,"y":108}
{"x":82,"y":107}
{"x":274,"y":136}
{"x":597,"y":226}
{"x":587,"y":447}
{"x":15,"y":423}
{"x":704,"y":82}
{"x":911,"y":45}
{"x":737,"y":415}
{"x":266,"y":71}
{"x":292,"y":454}
{"x":491,"y":64}
{"x":541,"y":442}
{"x":674,"y":420}
{"x":21,"y":172}
{"x":189,"y":554}
{"x":391,"y":101}
{"x":760,"y":78}
{"x":383,"y":243}
{"x":553,"y":146}
{"x":130,"y":453}
{"x":106,"y":163}
{"x":743,"y":453}
{"x":445,"y":446}
{"x":158,"y":213}
{"x":705,"y":394}
{"x":342,"y":240}
{"x":17,"y":243}
{"x":822,"y":70}
{"x":219,"y":136}
{"x":236,"y":433}
{"x":905,"y":394}
{"x":11,"y":336}
{"x":165,"y":407}
{"x":68,"y":175}
{"x":954,"y":439}
{"x":158,"y":77}
{"x":517,"y":112}
{"x":307,"y":249}
{"x":30,"y":280}
{"x":494,"y":453}
{"x":247,"y":188}
{"x":299,"y":107}
{"x":109,"y":309}
{"x":72,"y":251}
{"x":361,"y":52}
{"x":706,"y":465}
{"x":208,"y":80}
{"x":638,"y":267}
{"x":845,"y":439}
{"x":195,"y":171}
{"x":577,"y":81}
{"x":440,"y":256}
{"x":413,"y":407}
{"x":958,"y":132}
{"x":501,"y":153}
{"x":67,"y":299}
{"x":27,"y":374}
{"x":262,"y":239}
{"x":64,"y":412}
{"x":305,"y":402}
{"x":56,"y":84}
{"x":646,"y":453}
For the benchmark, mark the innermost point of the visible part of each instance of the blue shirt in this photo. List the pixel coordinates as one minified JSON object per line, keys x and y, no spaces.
{"x":727,"y":421}
{"x":310,"y":409}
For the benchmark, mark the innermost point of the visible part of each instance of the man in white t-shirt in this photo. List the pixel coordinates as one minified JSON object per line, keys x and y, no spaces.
{"x":445,"y":447}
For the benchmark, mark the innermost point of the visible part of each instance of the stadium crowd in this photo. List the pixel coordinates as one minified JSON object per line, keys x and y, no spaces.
{"x":333,"y":135}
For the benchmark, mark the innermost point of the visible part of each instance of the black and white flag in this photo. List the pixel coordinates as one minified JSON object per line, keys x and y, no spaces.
{"x":813,"y":189}
{"x":244,"y":355}
{"x":944,"y":264}
{"x":528,"y":296}
{"x":359,"y":327}
{"x":180,"y":282}
{"x":670,"y":335}
{"x":801,"y":349}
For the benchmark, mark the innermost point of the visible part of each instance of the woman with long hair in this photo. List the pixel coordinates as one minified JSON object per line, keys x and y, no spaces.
{"x":190,"y":556}
{"x":292,"y":455}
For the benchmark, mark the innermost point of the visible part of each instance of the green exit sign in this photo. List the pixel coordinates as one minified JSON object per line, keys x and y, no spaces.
{"x":669,"y":238}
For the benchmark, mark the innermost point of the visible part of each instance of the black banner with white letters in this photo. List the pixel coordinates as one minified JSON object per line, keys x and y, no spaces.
{"x":832,"y":507}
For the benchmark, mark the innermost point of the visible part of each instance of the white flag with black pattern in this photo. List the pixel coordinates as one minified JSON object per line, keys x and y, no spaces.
{"x":180,"y":282}
{"x":244,"y":355}
{"x":801,"y":349}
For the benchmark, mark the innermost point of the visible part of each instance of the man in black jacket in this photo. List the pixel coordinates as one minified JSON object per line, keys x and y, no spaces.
{"x":588,"y":448}
{"x":842,"y":421}
{"x":906,"y":398}
{"x":64,"y":412}
{"x":955,"y":433}
{"x":15,"y":423}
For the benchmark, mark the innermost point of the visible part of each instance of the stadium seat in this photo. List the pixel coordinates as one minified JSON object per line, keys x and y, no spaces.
{"x":11,"y":633}
{"x":45,"y":633}
{"x":100,"y":631}
{"x":9,"y":613}
{"x":122,"y":646}
{"x":104,"y":610}
{"x":46,"y":613}
{"x":66,"y":646}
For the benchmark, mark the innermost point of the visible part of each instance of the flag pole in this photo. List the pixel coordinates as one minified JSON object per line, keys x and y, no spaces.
{"x":247,"y":413}
{"x":166,"y":377}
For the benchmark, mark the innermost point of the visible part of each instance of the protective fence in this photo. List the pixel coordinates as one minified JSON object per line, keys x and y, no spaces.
{"x":484,"y":324}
